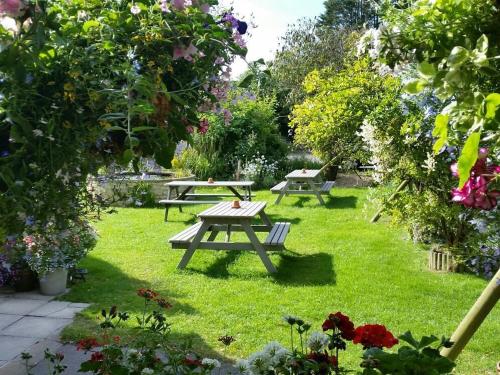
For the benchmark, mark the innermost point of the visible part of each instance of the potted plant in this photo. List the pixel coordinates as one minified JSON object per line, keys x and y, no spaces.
{"x":52,"y":250}
{"x":14,"y":270}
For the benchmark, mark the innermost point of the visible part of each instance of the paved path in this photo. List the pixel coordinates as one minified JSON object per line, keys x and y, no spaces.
{"x":31,"y":322}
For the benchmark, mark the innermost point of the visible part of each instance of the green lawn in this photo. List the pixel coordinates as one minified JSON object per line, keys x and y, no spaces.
{"x":336,"y":260}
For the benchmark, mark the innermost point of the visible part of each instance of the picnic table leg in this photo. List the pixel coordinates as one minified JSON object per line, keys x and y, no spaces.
{"x":228,"y":233}
{"x":258,"y":246}
{"x":283,"y":192}
{"x":235,"y":192}
{"x":169,"y":195}
{"x":194,"y":244}
{"x":249,"y":192}
{"x":313,"y":187}
{"x":266,"y":220}
{"x":213,"y":235}
{"x":177,"y":194}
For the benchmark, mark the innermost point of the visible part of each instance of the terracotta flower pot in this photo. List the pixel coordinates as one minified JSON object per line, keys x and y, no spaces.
{"x":210,"y":180}
{"x":304,"y":170}
{"x":236,"y":204}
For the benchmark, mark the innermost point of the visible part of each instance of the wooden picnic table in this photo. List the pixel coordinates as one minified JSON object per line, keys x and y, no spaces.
{"x":224,"y":218}
{"x":300,"y":178}
{"x":184,"y":195}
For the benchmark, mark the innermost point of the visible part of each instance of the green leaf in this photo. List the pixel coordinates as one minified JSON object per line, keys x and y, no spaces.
{"x":426,"y":341}
{"x":491,"y":105}
{"x":458,"y":56}
{"x":414,"y":87}
{"x":246,"y":81}
{"x":260,"y":61}
{"x":408,"y":337}
{"x":139,"y":129}
{"x":468,"y":157}
{"x":440,"y":132}
{"x":90,"y":24}
{"x":482,"y":44}
{"x":127,"y":156}
{"x":426,"y":70}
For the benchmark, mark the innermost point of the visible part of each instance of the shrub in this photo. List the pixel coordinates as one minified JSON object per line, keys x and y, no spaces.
{"x":328,"y":121}
{"x":245,"y":128}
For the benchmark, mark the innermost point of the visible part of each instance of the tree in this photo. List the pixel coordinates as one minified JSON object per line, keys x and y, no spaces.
{"x":351,"y":14}
{"x":329,"y":119}
{"x":304,"y":48}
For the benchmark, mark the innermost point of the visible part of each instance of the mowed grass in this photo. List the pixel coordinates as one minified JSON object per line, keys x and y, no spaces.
{"x":336,"y":261}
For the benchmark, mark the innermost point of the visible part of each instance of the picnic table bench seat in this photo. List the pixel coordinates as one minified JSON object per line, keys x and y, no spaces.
{"x":186,"y":235}
{"x":277,"y":235}
{"x":323,"y":188}
{"x":174,"y":202}
{"x":327,"y":186}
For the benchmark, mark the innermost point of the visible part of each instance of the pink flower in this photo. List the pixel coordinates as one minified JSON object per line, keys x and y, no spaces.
{"x":179,"y":4}
{"x":164,"y":6}
{"x":189,"y":129}
{"x":219,"y":61}
{"x":186,"y":53}
{"x":205,"y":8}
{"x":454,"y":169}
{"x":483,"y":153}
{"x":204,"y":125}
{"x":11,"y":7}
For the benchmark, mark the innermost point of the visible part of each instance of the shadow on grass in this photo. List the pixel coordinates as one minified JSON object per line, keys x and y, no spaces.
{"x":310,"y":269}
{"x":301,"y":201}
{"x":341,"y":202}
{"x":277,"y":218}
{"x":106,"y":285}
{"x":219,"y":268}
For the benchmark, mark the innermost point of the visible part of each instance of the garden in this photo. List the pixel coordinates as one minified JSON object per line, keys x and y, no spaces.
{"x":113,"y":111}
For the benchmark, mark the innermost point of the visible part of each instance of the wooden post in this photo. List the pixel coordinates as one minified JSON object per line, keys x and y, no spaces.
{"x":474,"y":318}
{"x":379,"y":212}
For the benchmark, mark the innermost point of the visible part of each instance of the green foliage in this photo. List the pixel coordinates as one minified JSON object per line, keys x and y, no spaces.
{"x":349,"y":14}
{"x":329,"y":120}
{"x":141,"y":195}
{"x":252,"y":131}
{"x":456,"y":46}
{"x":304,"y":48}
{"x":86,"y":83}
{"x":419,"y":358}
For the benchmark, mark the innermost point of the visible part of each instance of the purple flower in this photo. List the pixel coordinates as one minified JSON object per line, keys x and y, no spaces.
{"x":179,"y":4}
{"x":164,"y":6}
{"x":242,"y":27}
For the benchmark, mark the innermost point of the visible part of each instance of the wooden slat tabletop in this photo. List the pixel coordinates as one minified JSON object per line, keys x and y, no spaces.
{"x":309,"y":173}
{"x":211,"y":184}
{"x":224,"y":210}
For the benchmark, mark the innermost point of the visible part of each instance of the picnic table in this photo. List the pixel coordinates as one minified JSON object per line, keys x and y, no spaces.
{"x":300,"y":178}
{"x":185,"y":196}
{"x":224,"y":218}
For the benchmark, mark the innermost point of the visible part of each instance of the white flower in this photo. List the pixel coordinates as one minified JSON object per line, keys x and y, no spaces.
{"x":38,"y":133}
{"x":135,"y":9}
{"x":210,"y":363}
{"x":147,"y":371}
{"x":9,"y":24}
{"x":317,"y":341}
{"x":272,"y":348}
{"x":259,"y":363}
{"x":243,"y":367}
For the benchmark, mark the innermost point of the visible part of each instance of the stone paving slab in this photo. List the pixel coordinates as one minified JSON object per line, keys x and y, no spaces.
{"x":7,"y":319}
{"x":38,"y":327}
{"x":32,"y":295}
{"x":19,"y":306}
{"x":49,"y":308}
{"x":11,"y":346}
{"x":66,"y":313}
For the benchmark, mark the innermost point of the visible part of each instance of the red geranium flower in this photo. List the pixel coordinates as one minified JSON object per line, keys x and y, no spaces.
{"x":147,"y":293}
{"x":374,"y":336}
{"x":192,"y":362}
{"x":163,"y":303}
{"x":97,"y":357}
{"x":87,"y":344}
{"x":323,"y":358}
{"x":342,"y":323}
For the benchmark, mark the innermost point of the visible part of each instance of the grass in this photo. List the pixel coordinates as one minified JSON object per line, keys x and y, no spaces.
{"x":336,"y":261}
